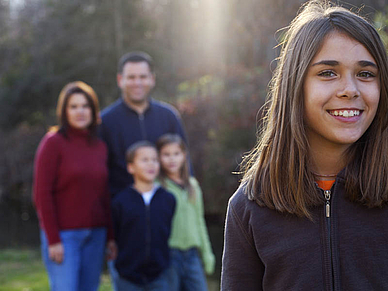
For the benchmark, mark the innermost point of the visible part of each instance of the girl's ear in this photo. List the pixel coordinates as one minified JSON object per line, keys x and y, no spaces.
{"x":130,"y":168}
{"x":185,"y":153}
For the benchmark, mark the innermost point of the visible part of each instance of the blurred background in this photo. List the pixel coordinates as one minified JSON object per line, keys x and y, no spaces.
{"x":213,"y":58}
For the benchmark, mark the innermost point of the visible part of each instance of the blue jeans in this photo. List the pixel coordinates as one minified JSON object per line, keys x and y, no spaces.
{"x":81,"y":268}
{"x":186,"y":271}
{"x":120,"y":284}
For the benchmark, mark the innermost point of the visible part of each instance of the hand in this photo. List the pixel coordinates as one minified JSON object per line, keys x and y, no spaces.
{"x":56,"y":252}
{"x":111,"y":250}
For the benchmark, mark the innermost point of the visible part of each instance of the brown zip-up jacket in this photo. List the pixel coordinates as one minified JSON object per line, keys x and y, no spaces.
{"x":344,"y":248}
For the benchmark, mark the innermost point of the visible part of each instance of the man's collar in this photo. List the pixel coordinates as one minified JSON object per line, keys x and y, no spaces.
{"x":149,"y":105}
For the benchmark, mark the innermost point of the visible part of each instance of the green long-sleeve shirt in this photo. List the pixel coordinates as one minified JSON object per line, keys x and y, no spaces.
{"x":188,"y":224}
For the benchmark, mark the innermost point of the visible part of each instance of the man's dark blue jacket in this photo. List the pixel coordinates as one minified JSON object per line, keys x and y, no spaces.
{"x":142,"y":234}
{"x":122,"y":126}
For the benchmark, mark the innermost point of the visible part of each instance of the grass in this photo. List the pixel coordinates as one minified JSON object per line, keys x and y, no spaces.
{"x":23,"y":270}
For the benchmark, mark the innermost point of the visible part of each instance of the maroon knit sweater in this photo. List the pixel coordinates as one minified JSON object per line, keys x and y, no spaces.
{"x":71,"y":183}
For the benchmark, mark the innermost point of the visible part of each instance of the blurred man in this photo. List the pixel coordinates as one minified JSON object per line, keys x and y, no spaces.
{"x":135,"y":116}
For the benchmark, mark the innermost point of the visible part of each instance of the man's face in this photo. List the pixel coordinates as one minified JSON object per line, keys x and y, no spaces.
{"x":136,"y":81}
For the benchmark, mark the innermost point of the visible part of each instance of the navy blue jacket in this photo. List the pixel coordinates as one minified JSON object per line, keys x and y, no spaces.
{"x":122,"y":126}
{"x":142,"y":234}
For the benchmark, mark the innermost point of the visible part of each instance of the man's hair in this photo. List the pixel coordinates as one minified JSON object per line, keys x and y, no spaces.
{"x":135,"y":57}
{"x":130,"y":153}
{"x":277,"y":171}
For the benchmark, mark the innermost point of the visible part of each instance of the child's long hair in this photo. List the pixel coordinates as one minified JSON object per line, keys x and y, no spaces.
{"x":277,"y":172}
{"x":167,"y":139}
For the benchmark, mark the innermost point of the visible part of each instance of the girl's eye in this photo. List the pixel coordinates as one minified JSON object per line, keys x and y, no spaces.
{"x":327,"y":73}
{"x":366,"y":74}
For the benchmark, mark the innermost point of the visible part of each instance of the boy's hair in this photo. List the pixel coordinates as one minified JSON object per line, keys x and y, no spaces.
{"x":277,"y":171}
{"x":167,"y":139}
{"x":130,"y":153}
{"x":63,"y":99}
{"x":135,"y":57}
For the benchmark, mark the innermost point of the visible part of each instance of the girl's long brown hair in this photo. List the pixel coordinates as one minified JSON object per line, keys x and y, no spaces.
{"x":276,"y":172}
{"x":167,"y":139}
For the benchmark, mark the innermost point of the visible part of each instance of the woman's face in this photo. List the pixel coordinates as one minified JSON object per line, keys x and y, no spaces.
{"x":78,"y":111}
{"x":341,"y":92}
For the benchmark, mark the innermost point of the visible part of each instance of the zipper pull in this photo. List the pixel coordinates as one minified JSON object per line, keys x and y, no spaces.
{"x":327,"y":197}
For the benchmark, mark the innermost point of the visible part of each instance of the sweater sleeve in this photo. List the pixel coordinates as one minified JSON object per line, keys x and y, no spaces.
{"x":242,"y":268}
{"x":205,"y":248}
{"x":45,"y":174}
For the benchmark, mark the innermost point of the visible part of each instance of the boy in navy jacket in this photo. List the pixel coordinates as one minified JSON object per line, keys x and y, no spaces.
{"x":142,"y":215}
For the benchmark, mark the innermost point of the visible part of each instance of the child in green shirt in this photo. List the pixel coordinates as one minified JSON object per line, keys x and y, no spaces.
{"x":189,"y":240}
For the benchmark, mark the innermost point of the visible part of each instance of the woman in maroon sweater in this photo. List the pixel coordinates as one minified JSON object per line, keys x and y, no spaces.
{"x":71,"y":193}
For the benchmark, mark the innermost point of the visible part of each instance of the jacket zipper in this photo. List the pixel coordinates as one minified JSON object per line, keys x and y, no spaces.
{"x":148,"y":233}
{"x":142,"y":126}
{"x":327,"y":197}
{"x":327,"y":194}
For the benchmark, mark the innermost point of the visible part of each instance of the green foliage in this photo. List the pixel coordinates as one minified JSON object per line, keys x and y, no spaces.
{"x":381,"y":23}
{"x":220,"y":117}
{"x":55,"y":42}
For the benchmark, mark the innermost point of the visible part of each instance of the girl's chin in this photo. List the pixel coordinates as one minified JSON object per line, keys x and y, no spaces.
{"x":172,"y":172}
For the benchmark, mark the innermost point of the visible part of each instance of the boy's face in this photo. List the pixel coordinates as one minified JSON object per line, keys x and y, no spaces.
{"x":145,"y":166}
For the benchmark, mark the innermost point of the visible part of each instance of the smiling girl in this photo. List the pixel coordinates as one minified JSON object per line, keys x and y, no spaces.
{"x":311,"y":212}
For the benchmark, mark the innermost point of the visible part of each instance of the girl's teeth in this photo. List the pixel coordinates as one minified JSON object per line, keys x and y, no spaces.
{"x":345,"y":113}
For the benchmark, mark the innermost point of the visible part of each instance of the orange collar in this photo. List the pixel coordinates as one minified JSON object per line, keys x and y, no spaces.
{"x":325,"y":185}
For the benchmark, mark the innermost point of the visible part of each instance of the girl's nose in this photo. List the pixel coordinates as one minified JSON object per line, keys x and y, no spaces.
{"x":349,"y":88}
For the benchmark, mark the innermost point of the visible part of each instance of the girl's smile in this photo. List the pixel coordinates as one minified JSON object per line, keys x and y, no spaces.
{"x":346,"y":115}
{"x":341,"y":92}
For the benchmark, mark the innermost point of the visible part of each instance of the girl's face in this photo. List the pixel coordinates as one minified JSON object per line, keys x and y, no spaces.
{"x":78,"y":111}
{"x":341,"y":92}
{"x":172,"y":158}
